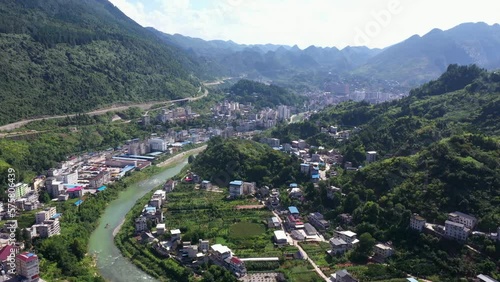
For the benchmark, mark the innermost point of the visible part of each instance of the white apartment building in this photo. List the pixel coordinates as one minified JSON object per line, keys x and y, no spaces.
{"x":455,"y":230}
{"x":417,"y":222}
{"x":28,"y":266}
{"x":468,"y":220}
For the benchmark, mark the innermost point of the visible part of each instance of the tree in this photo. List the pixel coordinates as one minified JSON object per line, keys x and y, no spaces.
{"x":191,"y":159}
{"x":78,"y":248}
{"x":363,"y":249}
{"x":44,"y":197}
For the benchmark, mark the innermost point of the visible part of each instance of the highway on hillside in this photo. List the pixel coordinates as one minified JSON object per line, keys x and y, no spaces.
{"x":143,"y":106}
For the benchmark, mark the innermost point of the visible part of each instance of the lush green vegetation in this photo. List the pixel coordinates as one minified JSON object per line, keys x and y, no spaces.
{"x":261,"y":95}
{"x":227,"y":160}
{"x":73,"y":56}
{"x":246,"y":229}
{"x":439,"y":152}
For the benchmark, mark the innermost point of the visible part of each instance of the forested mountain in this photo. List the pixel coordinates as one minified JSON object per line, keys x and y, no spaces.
{"x":70,"y":56}
{"x":262,"y":95}
{"x":418,"y":59}
{"x":410,"y":62}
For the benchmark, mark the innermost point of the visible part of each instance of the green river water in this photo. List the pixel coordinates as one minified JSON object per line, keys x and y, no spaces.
{"x":110,"y":262}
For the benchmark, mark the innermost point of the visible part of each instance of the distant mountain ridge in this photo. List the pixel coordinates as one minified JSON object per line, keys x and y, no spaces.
{"x":413,"y":61}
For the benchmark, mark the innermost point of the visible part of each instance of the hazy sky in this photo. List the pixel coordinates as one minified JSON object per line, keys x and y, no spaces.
{"x":374,"y":23}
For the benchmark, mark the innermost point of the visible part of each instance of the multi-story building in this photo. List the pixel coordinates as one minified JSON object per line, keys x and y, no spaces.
{"x":27,"y":266}
{"x":383,"y":251}
{"x":21,"y":189}
{"x":371,"y":156}
{"x":141,"y":224}
{"x":318,"y":221}
{"x":48,"y":228}
{"x":283,"y":112}
{"x":468,"y":220}
{"x":455,"y":230}
{"x":68,"y":177}
{"x":100,"y":179}
{"x":44,"y":215}
{"x":348,"y":236}
{"x":158,"y":145}
{"x":417,"y":222}
{"x":338,"y":245}
{"x":203,"y":245}
{"x":236,"y":188}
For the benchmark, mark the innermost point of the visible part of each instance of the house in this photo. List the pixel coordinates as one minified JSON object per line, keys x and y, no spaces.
{"x":297,"y":235}
{"x":348,"y":236}
{"x":305,"y":168}
{"x":315,"y":178}
{"x":293,"y":211}
{"x":273,"y":222}
{"x":339,"y":246}
{"x":235,"y":188}
{"x":76,"y":192}
{"x":160,"y":228}
{"x":175,"y":234}
{"x":189,"y":250}
{"x":383,"y":251}
{"x":468,"y":220}
{"x":456,"y":231}
{"x":156,"y":201}
{"x":203,"y":245}
{"x":315,"y":158}
{"x":345,"y":218}
{"x":318,"y":221}
{"x":342,"y":276}
{"x":100,"y":179}
{"x":28,"y":266}
{"x":236,"y":265}
{"x":310,"y":230}
{"x":295,"y":193}
{"x":330,"y":193}
{"x":220,"y":252}
{"x":280,"y":238}
{"x":48,"y":228}
{"x":44,"y":215}
{"x":417,"y":222}
{"x":8,"y":251}
{"x":147,"y":237}
{"x":371,"y":156}
{"x":485,"y":278}
{"x":248,"y":188}
{"x":141,"y":224}
{"x":169,"y":185}
{"x":205,"y":184}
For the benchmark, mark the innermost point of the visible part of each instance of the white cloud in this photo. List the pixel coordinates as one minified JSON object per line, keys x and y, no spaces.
{"x":306,"y":22}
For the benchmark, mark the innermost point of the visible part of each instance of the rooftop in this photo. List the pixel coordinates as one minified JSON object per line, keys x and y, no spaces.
{"x":486,"y":278}
{"x":26,"y":256}
{"x":280,"y":235}
{"x":220,"y":248}
{"x":337,"y":242}
{"x":175,"y":231}
{"x":461,"y":214}
{"x":383,"y":246}
{"x":347,"y":233}
{"x":293,"y":210}
{"x":236,"y":182}
{"x":449,"y":222}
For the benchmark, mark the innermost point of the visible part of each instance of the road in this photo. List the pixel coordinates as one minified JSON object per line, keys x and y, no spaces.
{"x":142,"y":106}
{"x":302,"y":252}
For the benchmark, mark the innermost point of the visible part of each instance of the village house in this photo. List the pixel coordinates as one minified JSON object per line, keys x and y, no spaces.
{"x":417,"y":222}
{"x":141,"y":224}
{"x":456,"y":231}
{"x":205,"y":184}
{"x":383,"y":251}
{"x":169,"y":185}
{"x":468,"y":220}
{"x":348,"y":236}
{"x":280,"y":238}
{"x":273,"y":222}
{"x":318,"y":221}
{"x":338,"y":245}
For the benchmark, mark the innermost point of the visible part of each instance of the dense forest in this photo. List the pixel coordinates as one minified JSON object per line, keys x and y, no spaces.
{"x":71,"y":56}
{"x":262,"y":95}
{"x":227,"y":160}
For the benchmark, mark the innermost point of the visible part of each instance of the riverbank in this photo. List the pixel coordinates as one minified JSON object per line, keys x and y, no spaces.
{"x":180,"y":156}
{"x":112,"y":265}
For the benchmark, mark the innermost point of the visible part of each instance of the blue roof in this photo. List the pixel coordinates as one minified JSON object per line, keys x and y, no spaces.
{"x":148,"y":209}
{"x":304,"y":164}
{"x":293,"y":185}
{"x":56,"y":216}
{"x":79,"y":202}
{"x":315,"y":176}
{"x":412,"y":279}
{"x":293,"y":209}
{"x":101,"y":188}
{"x":236,"y":182}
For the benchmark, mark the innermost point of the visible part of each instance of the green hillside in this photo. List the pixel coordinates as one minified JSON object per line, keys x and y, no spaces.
{"x":71,"y":56}
{"x":227,"y":160}
{"x":262,"y":95}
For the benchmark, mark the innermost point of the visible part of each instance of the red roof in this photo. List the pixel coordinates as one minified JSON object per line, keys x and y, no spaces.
{"x":74,"y":189}
{"x":26,"y":256}
{"x":236,"y":260}
{"x":4,"y":253}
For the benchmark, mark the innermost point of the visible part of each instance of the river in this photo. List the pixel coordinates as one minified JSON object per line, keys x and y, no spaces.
{"x":112,"y":265}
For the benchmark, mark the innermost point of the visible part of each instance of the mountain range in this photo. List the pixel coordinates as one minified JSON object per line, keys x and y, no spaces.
{"x":411,"y":62}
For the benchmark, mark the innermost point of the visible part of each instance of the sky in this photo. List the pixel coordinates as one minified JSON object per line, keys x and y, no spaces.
{"x":323,"y":23}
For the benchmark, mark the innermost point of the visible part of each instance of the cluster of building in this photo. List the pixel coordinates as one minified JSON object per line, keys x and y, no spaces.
{"x":177,"y":114}
{"x":152,"y":213}
{"x":457,"y":227}
{"x":46,"y":224}
{"x":27,"y":265}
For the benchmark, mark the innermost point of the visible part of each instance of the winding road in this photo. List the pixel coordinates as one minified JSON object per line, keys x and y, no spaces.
{"x":142,"y":106}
